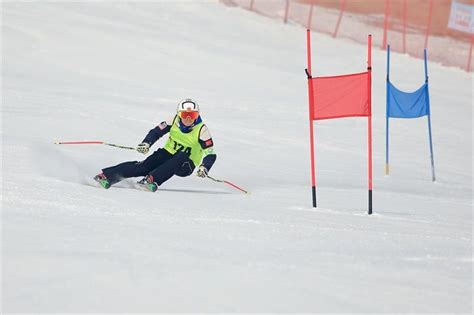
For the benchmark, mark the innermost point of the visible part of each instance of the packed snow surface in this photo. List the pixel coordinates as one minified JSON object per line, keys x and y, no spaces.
{"x":111,"y":71}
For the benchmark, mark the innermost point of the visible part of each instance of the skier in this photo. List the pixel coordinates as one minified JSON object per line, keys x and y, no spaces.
{"x":189,"y":144}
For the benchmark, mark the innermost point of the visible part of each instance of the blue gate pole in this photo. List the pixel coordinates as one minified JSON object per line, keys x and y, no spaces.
{"x":387,"y":112}
{"x":429,"y":120}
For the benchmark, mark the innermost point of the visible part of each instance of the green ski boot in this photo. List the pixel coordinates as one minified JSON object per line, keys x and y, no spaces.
{"x":102,"y":180}
{"x":148,"y":183}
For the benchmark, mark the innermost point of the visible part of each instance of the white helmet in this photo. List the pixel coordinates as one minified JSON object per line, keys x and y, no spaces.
{"x":188,"y":105}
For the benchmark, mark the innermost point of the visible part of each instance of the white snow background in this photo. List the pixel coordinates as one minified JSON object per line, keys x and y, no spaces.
{"x":111,"y":71}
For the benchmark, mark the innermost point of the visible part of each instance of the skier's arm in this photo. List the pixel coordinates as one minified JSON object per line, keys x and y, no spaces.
{"x":207,"y":145}
{"x":158,"y":132}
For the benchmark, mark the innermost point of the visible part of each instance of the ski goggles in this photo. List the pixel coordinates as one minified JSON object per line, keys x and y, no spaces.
{"x":188,"y":114}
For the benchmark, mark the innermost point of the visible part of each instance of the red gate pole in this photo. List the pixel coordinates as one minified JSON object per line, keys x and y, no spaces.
{"x":404,"y":26}
{"x":428,"y":27}
{"x":468,"y":68}
{"x":341,"y":12}
{"x":251,"y":5}
{"x":287,"y":8}
{"x":369,"y":91}
{"x":311,"y":115}
{"x":385,"y":23}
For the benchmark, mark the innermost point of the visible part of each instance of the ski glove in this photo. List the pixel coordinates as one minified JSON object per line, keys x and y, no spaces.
{"x":202,"y":171}
{"x":143,"y":147}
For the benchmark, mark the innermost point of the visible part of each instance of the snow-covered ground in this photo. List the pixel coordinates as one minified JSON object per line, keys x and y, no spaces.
{"x":112,"y":71}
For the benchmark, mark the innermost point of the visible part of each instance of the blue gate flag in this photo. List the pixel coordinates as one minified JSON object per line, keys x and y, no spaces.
{"x":407,"y":105}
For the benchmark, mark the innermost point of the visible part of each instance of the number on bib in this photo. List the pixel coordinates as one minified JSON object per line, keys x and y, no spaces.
{"x":179,"y":147}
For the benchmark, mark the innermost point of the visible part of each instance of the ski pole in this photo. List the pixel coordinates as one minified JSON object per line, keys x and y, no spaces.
{"x":228,"y":183}
{"x":95,"y":142}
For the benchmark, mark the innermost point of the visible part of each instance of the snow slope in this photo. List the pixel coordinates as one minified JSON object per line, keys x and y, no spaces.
{"x":112,"y":71}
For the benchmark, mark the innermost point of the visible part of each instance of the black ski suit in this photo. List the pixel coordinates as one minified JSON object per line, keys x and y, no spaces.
{"x":162,"y":165}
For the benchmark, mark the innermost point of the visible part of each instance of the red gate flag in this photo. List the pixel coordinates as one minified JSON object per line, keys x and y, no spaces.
{"x":340,"y":96}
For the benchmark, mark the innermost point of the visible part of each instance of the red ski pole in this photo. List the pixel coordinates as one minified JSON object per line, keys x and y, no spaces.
{"x":228,"y":183}
{"x":95,"y":142}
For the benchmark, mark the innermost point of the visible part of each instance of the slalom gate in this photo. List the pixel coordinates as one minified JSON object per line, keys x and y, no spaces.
{"x":407,"y":105}
{"x":337,"y":97}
